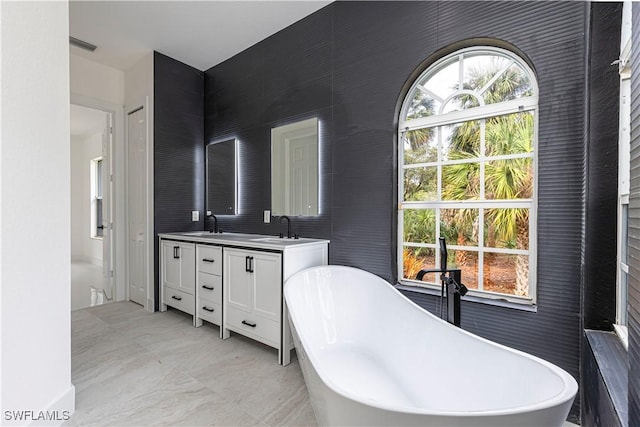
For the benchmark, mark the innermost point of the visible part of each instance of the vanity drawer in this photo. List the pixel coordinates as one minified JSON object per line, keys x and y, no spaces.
{"x":210,"y":287}
{"x":178,"y":299}
{"x":210,"y":311}
{"x":209,"y":259}
{"x":259,"y":328}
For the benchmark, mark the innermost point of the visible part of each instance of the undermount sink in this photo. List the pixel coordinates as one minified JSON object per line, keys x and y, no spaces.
{"x":275,"y":240}
{"x":268,"y":239}
{"x":242,"y":237}
{"x":199,"y":233}
{"x":209,"y":234}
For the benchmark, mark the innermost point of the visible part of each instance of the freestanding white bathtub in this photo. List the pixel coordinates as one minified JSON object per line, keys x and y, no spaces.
{"x":372,"y":357}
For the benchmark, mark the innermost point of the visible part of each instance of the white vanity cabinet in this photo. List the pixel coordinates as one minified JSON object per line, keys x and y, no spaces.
{"x":253,"y":294}
{"x":177,"y":275}
{"x":208,"y":284}
{"x":236,"y":281}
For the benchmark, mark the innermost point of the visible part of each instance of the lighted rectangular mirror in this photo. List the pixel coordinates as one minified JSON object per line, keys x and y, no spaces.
{"x":294,"y":169}
{"x":222,"y":177}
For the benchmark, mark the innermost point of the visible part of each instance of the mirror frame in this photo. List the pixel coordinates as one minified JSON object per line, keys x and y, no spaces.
{"x":281,"y":184}
{"x":210,"y":205}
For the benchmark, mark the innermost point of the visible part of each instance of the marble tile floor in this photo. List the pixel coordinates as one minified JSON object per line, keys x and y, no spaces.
{"x":134,"y":368}
{"x":87,"y":285}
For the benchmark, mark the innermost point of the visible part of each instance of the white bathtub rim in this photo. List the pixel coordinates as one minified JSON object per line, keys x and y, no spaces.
{"x":568,"y":391}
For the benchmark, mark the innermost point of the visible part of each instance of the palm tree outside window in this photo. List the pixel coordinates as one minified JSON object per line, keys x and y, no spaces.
{"x":467,"y":162}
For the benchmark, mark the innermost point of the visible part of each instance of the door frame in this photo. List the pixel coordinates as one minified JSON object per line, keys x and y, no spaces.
{"x":119,"y":179}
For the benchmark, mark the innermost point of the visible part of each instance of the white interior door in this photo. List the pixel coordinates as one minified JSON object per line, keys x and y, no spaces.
{"x":137,"y":197}
{"x":107,"y":212}
{"x":301,"y":175}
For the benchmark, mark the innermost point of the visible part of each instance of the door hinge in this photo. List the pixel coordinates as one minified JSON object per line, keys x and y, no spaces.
{"x":110,"y":178}
{"x":109,"y":274}
{"x":111,"y":130}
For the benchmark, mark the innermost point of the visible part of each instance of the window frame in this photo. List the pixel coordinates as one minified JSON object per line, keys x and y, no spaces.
{"x":97,"y":187}
{"x":520,"y":105}
{"x":624,"y":170}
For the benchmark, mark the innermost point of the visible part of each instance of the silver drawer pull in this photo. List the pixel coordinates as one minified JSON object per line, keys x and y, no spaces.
{"x":208,"y":260}
{"x":209,"y":288}
{"x":210,"y":310}
{"x":244,"y":322}
{"x":177,"y":298}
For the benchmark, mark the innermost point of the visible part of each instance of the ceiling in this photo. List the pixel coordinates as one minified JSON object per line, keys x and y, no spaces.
{"x":199,"y":33}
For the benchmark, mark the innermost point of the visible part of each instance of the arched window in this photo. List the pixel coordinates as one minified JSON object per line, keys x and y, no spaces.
{"x":467,"y":172}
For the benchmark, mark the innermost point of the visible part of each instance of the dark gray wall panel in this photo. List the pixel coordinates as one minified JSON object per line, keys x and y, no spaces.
{"x":178,"y":149}
{"x":351,"y":62}
{"x":599,"y":308}
{"x":603,"y":350}
{"x":282,"y":79}
{"x":634,"y":229}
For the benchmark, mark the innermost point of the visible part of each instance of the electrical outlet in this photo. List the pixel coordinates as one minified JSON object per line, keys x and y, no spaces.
{"x":267,"y":216}
{"x":195,"y":215}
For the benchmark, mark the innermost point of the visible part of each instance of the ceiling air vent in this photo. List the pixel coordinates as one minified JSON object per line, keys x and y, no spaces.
{"x":82,"y":44}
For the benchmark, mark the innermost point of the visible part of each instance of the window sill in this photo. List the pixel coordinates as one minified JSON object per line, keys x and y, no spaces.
{"x":623,"y":334}
{"x":612,"y":362}
{"x":497,"y":301}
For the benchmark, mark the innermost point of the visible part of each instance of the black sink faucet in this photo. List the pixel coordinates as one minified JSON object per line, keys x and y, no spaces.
{"x":283,"y":217}
{"x":215,"y":224}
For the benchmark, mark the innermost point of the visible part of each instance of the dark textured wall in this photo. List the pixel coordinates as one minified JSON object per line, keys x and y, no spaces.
{"x":599,"y":304}
{"x":634,"y":229}
{"x":285,"y":78}
{"x":598,"y":406}
{"x":178,"y":149}
{"x":350,"y":64}
{"x":599,"y":289}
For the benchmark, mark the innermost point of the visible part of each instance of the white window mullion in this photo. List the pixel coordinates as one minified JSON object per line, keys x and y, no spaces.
{"x":440,"y":157}
{"x":430,"y":93}
{"x":437,"y":252}
{"x":482,"y":157}
{"x":461,"y":72}
{"x":496,"y":77}
{"x":513,"y":106}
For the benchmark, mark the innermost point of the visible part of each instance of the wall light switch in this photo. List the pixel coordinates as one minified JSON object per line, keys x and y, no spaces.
{"x":195,"y":215}
{"x":208,"y":213}
{"x":267,"y":216}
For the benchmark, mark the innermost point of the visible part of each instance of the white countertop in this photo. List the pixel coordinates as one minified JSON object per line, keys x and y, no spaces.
{"x":258,"y":241}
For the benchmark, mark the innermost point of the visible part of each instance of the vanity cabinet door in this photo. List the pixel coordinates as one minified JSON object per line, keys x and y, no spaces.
{"x":170,"y":265}
{"x":178,"y":266}
{"x":237,"y":279}
{"x":267,"y":285}
{"x":253,"y":294}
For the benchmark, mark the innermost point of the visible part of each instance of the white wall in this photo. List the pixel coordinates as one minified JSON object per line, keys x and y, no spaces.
{"x":94,"y":80}
{"x":84,"y":248}
{"x":35,"y":209}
